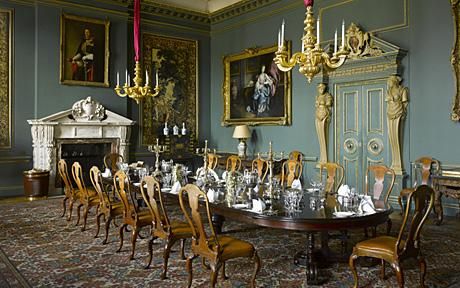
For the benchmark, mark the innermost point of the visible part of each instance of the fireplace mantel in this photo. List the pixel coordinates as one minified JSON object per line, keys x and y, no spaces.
{"x":78,"y":124}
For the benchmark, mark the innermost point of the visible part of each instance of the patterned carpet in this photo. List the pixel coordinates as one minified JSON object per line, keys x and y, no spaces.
{"x":48,"y":251}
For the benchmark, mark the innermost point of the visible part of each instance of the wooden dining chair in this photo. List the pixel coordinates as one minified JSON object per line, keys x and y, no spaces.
{"x":296,"y":155}
{"x":233,"y":163}
{"x":212,"y":161}
{"x":423,"y":167}
{"x":88,"y":196}
{"x":261,"y":166}
{"x":216,"y":249}
{"x":132,"y":214}
{"x":290,"y":170}
{"x":163,"y":228}
{"x":108,"y":207}
{"x":111,"y":160}
{"x":70,"y":194}
{"x":378,"y":183}
{"x":396,"y":249}
{"x":332,"y":170}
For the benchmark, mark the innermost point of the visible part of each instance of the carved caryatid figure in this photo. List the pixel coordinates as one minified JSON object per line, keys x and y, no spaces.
{"x":397,"y":101}
{"x":323,"y":106}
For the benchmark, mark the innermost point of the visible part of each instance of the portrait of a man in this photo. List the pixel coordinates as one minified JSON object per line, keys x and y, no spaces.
{"x":84,"y":51}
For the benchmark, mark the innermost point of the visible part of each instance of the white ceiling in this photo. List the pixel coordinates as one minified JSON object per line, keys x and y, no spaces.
{"x":203,"y":6}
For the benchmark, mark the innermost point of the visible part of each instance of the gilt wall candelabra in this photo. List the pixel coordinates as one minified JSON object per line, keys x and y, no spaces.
{"x":312,"y":57}
{"x":157,"y":149}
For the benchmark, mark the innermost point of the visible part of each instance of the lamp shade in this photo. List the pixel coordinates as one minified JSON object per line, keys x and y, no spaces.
{"x":241,"y":132}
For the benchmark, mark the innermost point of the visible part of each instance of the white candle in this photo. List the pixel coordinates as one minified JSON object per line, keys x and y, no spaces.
{"x":282,"y":33}
{"x":156,"y":78}
{"x":279,"y":38}
{"x":157,"y":142}
{"x":343,"y":33}
{"x":303,"y":46}
{"x":206,"y":146}
{"x":146,"y":78}
{"x":317,"y":31}
{"x":126,"y":76}
{"x":118,"y":78}
{"x":335,"y":41}
{"x":129,"y":81}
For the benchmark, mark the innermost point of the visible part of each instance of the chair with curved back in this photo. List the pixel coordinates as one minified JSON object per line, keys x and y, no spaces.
{"x":70,"y":193}
{"x":296,"y":155}
{"x":109,"y":208}
{"x":233,"y":163}
{"x":396,"y":249}
{"x":261,"y":166}
{"x":163,"y":228}
{"x":132,"y":214}
{"x":88,"y":197}
{"x":212,"y":161}
{"x":423,"y":168}
{"x":290,"y":170}
{"x":332,"y":170}
{"x":215,"y":248}
{"x":382,"y":185}
{"x":111,"y":160}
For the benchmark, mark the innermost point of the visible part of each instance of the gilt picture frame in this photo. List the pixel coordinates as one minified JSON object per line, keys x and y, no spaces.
{"x":84,"y":51}
{"x":176,"y":60}
{"x":255,"y":91}
{"x":6,"y":77}
{"x":455,"y":61}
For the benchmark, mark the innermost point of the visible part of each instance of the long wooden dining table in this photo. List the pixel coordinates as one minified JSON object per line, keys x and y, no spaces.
{"x":311,"y":219}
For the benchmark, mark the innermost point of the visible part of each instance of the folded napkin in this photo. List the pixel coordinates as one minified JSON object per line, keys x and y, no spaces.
{"x":366,"y":206}
{"x":176,"y":187}
{"x":258,"y":206}
{"x":106,"y":173}
{"x":224,"y":176}
{"x":343,"y":192}
{"x":296,"y":184}
{"x":211,"y":195}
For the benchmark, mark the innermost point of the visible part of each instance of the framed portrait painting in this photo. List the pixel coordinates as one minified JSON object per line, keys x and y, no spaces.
{"x":255,"y":91}
{"x":84,"y":51}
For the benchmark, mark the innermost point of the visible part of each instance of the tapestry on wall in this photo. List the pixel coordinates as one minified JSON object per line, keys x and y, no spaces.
{"x":175,"y":108}
{"x":6,"y":26}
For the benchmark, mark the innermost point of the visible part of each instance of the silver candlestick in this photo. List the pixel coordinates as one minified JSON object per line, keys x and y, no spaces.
{"x":204,"y":153}
{"x":157,"y":149}
{"x":271,"y":157}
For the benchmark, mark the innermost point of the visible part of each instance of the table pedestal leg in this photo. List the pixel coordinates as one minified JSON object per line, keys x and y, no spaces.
{"x":217,"y":222}
{"x":438,"y":206}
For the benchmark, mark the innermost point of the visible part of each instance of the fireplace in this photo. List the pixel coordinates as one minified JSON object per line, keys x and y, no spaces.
{"x":84,"y":133}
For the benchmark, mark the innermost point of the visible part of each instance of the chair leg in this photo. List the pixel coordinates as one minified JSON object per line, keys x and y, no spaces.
{"x":399,"y":274}
{"x":382,"y":271}
{"x":98,"y":224}
{"x":85,"y":217}
{"x":182,"y":249}
{"x":78,"y":214}
{"x":422,"y":264}
{"x":223,"y":276}
{"x":107,"y":226}
{"x":214,"y":274}
{"x":204,"y":264}
{"x":150,"y":251}
{"x":400,"y":204}
{"x":69,"y":217}
{"x":188,"y":265}
{"x":351,"y":263}
{"x":256,"y":269}
{"x":133,"y":241}
{"x":167,"y":251}
{"x":64,"y":202}
{"x":122,"y":228}
{"x":389,"y":224}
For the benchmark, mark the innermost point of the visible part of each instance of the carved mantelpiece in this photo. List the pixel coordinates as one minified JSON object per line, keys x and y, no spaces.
{"x":91,"y":124}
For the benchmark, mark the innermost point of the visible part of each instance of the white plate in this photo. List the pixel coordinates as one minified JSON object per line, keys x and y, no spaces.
{"x":240,"y":206}
{"x":312,"y":189}
{"x":342,"y":214}
{"x":139,"y":184}
{"x":165,"y":189}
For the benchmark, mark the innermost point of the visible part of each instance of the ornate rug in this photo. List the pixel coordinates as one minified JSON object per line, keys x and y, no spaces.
{"x":44,"y":250}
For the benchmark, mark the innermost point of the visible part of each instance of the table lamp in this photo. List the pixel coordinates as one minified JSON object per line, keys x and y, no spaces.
{"x":242,"y":133}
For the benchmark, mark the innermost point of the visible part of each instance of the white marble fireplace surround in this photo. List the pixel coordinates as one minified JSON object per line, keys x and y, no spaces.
{"x":87,"y":121}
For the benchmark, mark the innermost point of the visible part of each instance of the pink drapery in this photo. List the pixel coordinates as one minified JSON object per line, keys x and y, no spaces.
{"x":308,"y":3}
{"x":137,"y":20}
